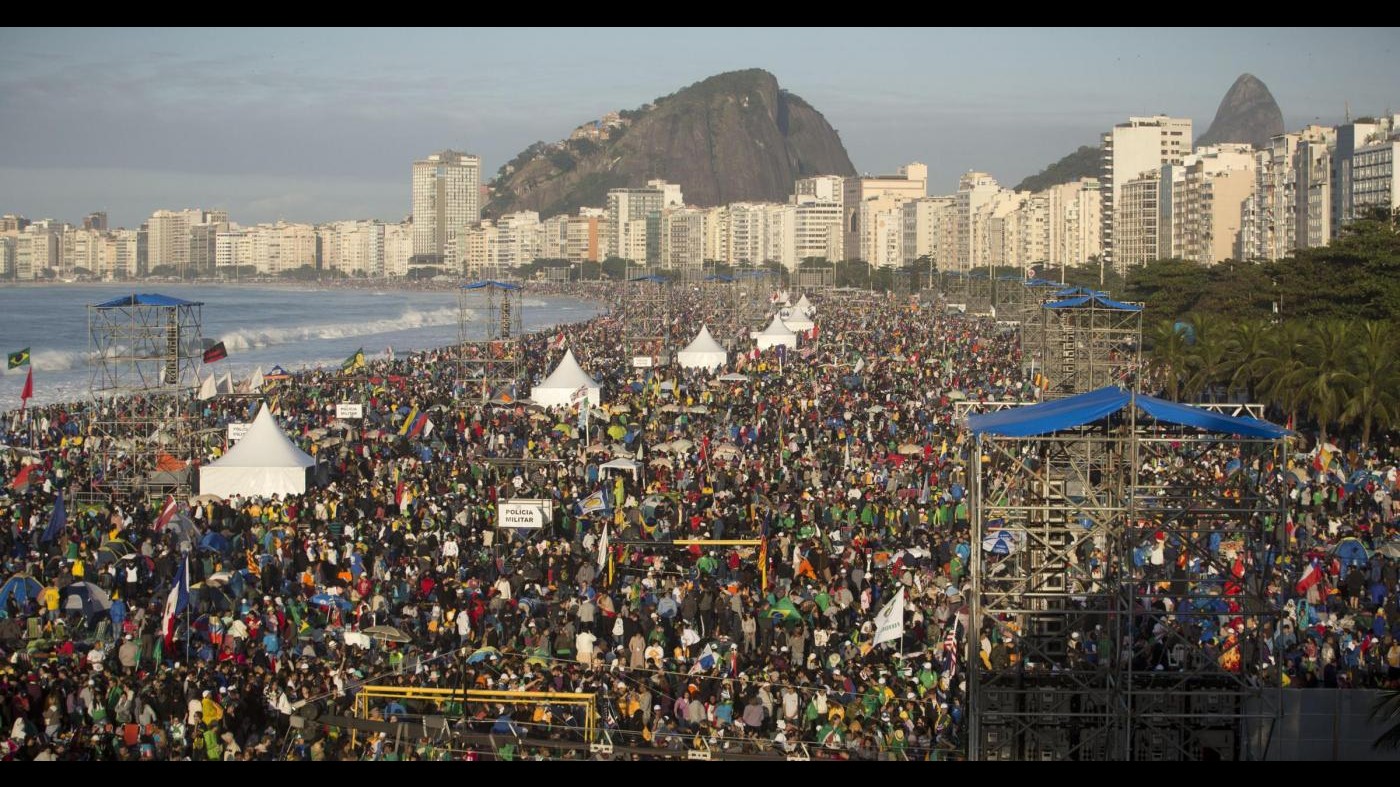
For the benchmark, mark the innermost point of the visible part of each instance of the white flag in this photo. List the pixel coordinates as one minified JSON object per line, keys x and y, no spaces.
{"x":860,"y":364}
{"x":603,"y":549}
{"x":889,"y":624}
{"x":428,"y":429}
{"x":208,"y":389}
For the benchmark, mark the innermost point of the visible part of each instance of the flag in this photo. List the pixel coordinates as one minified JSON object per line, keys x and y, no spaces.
{"x":504,"y":394}
{"x":215,"y":353}
{"x":558,"y":342}
{"x":167,"y":513}
{"x":1311,"y":576}
{"x":593,"y":504}
{"x":169,"y":464}
{"x":427,"y":428}
{"x":389,"y":351}
{"x":418,"y":424}
{"x":208,"y":389}
{"x":355,"y":361}
{"x":255,"y":383}
{"x":176,"y":602}
{"x":860,"y":364}
{"x":950,"y":653}
{"x":57,"y":521}
{"x":603,"y":548}
{"x":18,"y":359}
{"x":21,"y":482}
{"x":28,"y":392}
{"x":889,"y":623}
{"x":812,"y":334}
{"x":408,"y":422}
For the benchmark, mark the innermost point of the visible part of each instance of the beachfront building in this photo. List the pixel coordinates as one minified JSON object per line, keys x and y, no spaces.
{"x":446,"y":202}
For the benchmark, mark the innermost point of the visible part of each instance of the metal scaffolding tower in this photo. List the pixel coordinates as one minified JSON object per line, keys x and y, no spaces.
{"x":1120,"y":592}
{"x":490,"y":326}
{"x":145,"y":353}
{"x":647,"y":317}
{"x":1085,"y":342}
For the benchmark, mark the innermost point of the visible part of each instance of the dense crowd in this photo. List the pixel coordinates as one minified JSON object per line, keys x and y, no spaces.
{"x":842,"y":459}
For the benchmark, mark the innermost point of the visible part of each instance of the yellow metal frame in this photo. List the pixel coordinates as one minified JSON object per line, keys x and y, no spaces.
{"x":585,"y":701}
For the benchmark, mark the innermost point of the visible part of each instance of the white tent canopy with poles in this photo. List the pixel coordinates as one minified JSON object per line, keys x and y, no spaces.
{"x":775,"y":334}
{"x":703,"y":352}
{"x":264,"y":463}
{"x":559,"y":387}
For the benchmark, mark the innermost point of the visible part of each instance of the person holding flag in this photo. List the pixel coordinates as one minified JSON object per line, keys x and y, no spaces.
{"x":355,"y":361}
{"x":176,"y":601}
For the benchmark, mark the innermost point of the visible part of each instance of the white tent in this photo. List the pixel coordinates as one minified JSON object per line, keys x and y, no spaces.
{"x":622,"y":466}
{"x":775,"y":334}
{"x":558,"y":388}
{"x":702,"y":353}
{"x":796,"y":319}
{"x":263,"y":463}
{"x":804,"y":305}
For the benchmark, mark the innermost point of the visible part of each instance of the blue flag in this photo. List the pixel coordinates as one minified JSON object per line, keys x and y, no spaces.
{"x":57,"y":521}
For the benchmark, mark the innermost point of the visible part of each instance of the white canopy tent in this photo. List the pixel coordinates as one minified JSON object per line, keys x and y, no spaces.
{"x":558,"y":388}
{"x":775,"y":334}
{"x":265,"y":462}
{"x":703,"y":352}
{"x":804,"y":305}
{"x":796,"y":319}
{"x":622,"y":465}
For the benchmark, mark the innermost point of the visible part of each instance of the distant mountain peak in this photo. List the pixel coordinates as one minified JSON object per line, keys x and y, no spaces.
{"x":736,"y":136}
{"x":1247,"y":113}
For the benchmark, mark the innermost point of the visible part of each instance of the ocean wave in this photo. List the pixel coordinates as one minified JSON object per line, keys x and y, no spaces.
{"x":252,"y":338}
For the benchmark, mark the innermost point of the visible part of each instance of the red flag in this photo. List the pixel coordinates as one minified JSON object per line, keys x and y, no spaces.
{"x":21,"y":481}
{"x":1311,"y":576}
{"x":28,"y":391}
{"x":167,"y":513}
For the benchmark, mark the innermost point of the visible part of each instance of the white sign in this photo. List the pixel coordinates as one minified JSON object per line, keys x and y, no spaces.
{"x":349,"y":410}
{"x":520,"y":514}
{"x":236,"y":432}
{"x":642,"y":361}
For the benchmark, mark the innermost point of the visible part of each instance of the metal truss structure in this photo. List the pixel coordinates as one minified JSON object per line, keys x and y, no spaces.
{"x":490,"y":325}
{"x":145,"y":351}
{"x":1085,"y":346}
{"x":1122,"y":594}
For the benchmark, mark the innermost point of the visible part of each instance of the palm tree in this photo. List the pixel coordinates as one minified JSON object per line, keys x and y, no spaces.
{"x":1209,"y":357}
{"x":1374,"y":380}
{"x":1279,"y":368}
{"x":1168,"y":356}
{"x":1326,"y":371}
{"x":1249,"y":344}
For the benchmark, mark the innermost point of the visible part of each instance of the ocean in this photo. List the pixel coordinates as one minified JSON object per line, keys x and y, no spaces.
{"x":260,"y":325}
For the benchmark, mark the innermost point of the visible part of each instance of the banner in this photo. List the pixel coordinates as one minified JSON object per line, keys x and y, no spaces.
{"x":889,"y":623}
{"x":346,"y":410}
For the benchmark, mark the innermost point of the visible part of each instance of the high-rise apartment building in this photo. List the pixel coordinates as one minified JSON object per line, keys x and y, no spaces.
{"x":446,"y":201}
{"x":1129,"y":150}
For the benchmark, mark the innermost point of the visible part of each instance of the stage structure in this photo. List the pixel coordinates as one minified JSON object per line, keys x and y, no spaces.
{"x":646,"y":317}
{"x":1122,"y":561}
{"x":146,"y":351}
{"x":1085,"y":341}
{"x":490,"y":326}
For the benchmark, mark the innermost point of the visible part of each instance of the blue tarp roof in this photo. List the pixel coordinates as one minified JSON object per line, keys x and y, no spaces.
{"x":1069,"y":291}
{"x":1094,"y":300}
{"x":1041,"y":283}
{"x":1086,"y":408}
{"x":480,"y":285}
{"x":146,"y":299}
{"x":651,"y":277}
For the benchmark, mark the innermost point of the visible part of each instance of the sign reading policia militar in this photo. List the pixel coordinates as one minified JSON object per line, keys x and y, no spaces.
{"x":524,"y":513}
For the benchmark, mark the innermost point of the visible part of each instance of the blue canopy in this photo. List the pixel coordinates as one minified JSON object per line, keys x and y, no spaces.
{"x":1068,"y":291}
{"x":651,"y":277}
{"x":1087,"y":408}
{"x":146,"y":299}
{"x":478,"y":285}
{"x":1093,"y":300}
{"x":719,"y":278}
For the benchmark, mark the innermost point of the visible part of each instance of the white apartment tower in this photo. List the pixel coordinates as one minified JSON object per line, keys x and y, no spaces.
{"x":446,"y":201}
{"x":1129,"y":150}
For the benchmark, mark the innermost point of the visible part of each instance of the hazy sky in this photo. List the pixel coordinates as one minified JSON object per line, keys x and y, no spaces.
{"x":321,"y":124}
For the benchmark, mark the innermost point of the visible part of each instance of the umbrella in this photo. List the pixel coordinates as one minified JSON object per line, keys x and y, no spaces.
{"x":317,"y":434}
{"x":956,"y":396}
{"x":619,"y":452}
{"x":483,"y":654}
{"x":682,"y":444}
{"x":621,"y":408}
{"x":328,"y":600}
{"x":670,"y":408}
{"x":1390,"y":550}
{"x":727,"y":449}
{"x":664,"y":448}
{"x":1002,"y":542}
{"x":616,"y":431}
{"x":564,"y":429}
{"x":387,"y":633}
{"x":659,"y":462}
{"x":86,"y":598}
{"x":734,"y":378}
{"x":909,"y":449}
{"x":874,"y":408}
{"x":538,"y":417}
{"x":697,"y":408}
{"x":21,"y":587}
{"x":218,"y":579}
{"x":341,"y":425}
{"x":330,"y":442}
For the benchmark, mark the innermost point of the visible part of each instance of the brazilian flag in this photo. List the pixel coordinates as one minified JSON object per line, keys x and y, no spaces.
{"x":18,"y":359}
{"x":355,"y":361}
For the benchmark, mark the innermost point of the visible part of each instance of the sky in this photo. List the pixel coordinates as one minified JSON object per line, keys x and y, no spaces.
{"x":322,"y":124}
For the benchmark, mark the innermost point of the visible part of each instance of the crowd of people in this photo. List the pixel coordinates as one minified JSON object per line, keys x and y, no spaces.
{"x":828,"y":478}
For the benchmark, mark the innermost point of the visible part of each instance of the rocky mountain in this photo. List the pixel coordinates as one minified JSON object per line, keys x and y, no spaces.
{"x":1083,"y":163}
{"x":1248,"y":113}
{"x":733,"y":137}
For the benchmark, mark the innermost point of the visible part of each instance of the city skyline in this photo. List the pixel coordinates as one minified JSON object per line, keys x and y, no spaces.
{"x":315,"y":126}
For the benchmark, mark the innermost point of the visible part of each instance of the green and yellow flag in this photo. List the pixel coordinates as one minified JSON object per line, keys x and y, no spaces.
{"x":18,"y":359}
{"x":356,"y":361}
